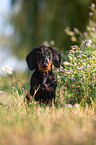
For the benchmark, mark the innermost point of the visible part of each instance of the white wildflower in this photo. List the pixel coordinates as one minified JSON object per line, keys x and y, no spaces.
{"x":58,"y":77}
{"x":70,"y":57}
{"x":79,"y":55}
{"x":79,"y":68}
{"x":78,"y":51}
{"x":7,"y":69}
{"x":69,"y":105}
{"x":71,"y":70}
{"x":88,"y":66}
{"x":68,"y":72}
{"x":66,"y":63}
{"x":83,"y":41}
{"x":61,"y":67}
{"x":75,"y":64}
{"x":83,"y":55}
{"x":77,"y":106}
{"x":90,"y":41}
{"x":84,"y":64}
{"x":52,"y":42}
{"x":46,"y":43}
{"x":1,"y":92}
{"x":65,"y":69}
{"x":72,"y":51}
{"x":88,"y":44}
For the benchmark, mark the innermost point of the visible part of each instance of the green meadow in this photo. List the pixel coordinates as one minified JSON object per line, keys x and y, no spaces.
{"x":72,"y":120}
{"x":34,"y":123}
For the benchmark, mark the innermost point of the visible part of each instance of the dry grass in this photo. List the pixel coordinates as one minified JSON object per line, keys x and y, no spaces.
{"x":21,"y":124}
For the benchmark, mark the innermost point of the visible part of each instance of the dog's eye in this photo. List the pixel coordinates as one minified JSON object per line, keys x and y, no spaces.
{"x":40,"y":53}
{"x":48,"y":53}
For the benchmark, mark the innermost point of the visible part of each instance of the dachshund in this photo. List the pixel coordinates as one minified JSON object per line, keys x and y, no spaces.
{"x":43,"y":82}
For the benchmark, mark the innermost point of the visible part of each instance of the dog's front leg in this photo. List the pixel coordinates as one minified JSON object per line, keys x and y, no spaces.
{"x":43,"y":84}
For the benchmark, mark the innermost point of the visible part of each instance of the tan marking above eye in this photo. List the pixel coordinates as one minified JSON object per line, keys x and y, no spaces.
{"x":48,"y":53}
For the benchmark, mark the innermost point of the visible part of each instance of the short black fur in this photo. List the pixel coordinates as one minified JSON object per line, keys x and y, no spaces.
{"x":43,"y":82}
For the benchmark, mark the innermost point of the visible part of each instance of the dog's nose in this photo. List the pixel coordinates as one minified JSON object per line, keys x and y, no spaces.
{"x":45,"y":65}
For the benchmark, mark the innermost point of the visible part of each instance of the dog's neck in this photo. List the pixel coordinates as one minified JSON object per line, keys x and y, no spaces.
{"x":43,"y":74}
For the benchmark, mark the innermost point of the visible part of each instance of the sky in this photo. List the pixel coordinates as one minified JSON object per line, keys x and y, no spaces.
{"x":4,"y":9}
{"x":4,"y":5}
{"x":5,"y":28}
{"x":6,"y":58}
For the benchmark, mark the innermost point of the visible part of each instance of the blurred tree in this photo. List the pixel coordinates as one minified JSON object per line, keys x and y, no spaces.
{"x":36,"y":21}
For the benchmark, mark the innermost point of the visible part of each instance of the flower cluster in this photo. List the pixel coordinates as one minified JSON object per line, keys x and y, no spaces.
{"x":78,"y":75}
{"x":87,"y":43}
{"x":89,"y":36}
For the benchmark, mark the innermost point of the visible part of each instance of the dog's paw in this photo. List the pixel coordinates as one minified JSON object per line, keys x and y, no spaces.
{"x":29,"y":97}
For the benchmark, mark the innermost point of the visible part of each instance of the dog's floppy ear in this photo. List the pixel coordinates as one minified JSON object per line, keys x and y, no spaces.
{"x":31,"y":59}
{"x":56,"y":57}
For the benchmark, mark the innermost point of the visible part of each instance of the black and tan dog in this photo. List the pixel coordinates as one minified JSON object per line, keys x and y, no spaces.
{"x":43,"y":82}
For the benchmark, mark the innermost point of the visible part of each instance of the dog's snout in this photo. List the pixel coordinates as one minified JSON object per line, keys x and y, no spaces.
{"x":45,"y":65}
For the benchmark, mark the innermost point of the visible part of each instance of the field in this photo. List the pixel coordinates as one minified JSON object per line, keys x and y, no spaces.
{"x":21,"y":124}
{"x":72,"y":120}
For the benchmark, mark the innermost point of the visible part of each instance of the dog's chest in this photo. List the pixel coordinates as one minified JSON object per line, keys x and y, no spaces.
{"x":46,"y":80}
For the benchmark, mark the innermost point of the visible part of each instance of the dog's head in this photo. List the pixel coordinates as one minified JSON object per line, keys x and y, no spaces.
{"x":42,"y":58}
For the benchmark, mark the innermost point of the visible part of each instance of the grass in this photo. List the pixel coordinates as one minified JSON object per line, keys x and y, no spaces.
{"x":63,"y":124}
{"x":22,"y":125}
{"x":72,"y":121}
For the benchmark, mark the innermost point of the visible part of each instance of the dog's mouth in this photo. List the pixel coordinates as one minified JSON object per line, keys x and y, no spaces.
{"x":45,"y":67}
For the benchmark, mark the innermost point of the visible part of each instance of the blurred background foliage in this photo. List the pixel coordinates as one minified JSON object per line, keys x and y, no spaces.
{"x":36,"y":21}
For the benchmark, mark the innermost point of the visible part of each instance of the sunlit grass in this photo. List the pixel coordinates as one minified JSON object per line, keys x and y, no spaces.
{"x":72,"y":120}
{"x":21,"y":124}
{"x":63,"y":123}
